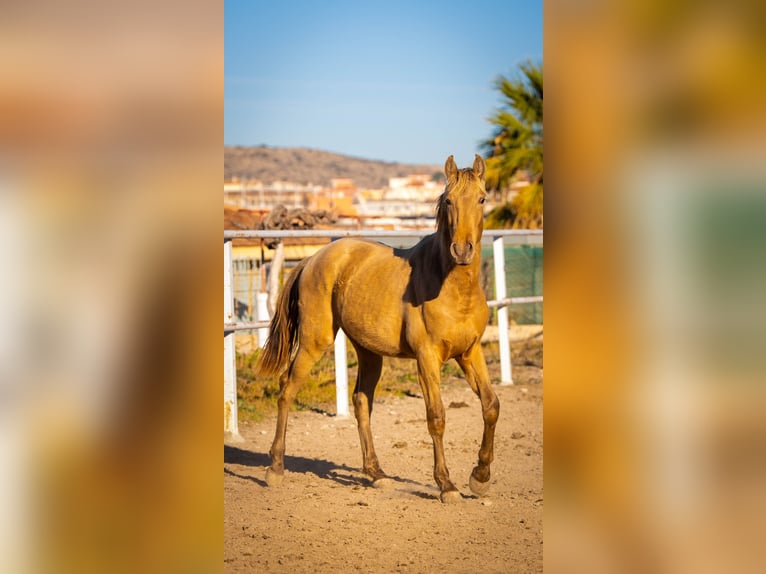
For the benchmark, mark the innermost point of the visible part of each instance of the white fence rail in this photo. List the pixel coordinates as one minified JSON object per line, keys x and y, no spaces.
{"x":497,"y":238}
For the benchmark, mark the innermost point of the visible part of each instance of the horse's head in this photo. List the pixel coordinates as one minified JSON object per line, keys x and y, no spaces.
{"x":460,"y":210}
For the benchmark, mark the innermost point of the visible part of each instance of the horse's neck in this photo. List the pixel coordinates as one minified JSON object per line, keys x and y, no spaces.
{"x":464,"y":278}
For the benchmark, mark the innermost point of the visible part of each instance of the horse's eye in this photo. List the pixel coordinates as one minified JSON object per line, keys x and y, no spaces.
{"x":482,"y":199}
{"x":448,"y":201}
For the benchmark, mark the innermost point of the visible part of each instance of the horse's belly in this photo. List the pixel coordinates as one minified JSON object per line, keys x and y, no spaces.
{"x":374,"y":326}
{"x":377,"y":342}
{"x":370,"y":312}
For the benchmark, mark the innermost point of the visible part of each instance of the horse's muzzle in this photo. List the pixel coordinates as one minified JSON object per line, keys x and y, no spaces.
{"x":462,"y":252}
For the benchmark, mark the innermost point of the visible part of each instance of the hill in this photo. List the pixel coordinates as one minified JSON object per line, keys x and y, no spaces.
{"x":305,"y":165}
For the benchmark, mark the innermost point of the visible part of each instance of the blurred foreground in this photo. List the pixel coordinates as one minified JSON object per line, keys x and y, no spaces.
{"x":655,"y":439}
{"x":109,"y":146}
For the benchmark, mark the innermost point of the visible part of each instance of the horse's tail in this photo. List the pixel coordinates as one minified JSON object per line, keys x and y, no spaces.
{"x":283,"y":331}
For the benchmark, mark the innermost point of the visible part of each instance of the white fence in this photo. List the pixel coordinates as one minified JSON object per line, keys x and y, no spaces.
{"x":498,"y":239}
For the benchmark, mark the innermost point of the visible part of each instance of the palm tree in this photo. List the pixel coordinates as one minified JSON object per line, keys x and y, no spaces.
{"x":515,"y":151}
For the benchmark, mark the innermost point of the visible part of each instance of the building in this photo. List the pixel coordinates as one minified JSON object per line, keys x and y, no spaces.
{"x":407,"y":199}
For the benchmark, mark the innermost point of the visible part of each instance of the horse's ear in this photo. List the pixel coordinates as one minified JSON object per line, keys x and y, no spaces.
{"x":450,"y":168}
{"x":478,"y":167}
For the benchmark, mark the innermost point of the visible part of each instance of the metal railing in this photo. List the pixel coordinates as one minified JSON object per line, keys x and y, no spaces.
{"x":497,"y":238}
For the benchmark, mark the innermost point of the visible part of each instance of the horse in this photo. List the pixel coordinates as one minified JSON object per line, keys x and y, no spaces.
{"x":424,"y":303}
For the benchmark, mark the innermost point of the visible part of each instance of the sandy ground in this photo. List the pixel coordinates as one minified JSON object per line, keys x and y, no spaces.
{"x":326,"y":516}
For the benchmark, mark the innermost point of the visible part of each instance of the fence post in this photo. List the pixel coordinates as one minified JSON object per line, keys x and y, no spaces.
{"x":230,"y":421}
{"x":498,"y":250}
{"x":341,"y":375}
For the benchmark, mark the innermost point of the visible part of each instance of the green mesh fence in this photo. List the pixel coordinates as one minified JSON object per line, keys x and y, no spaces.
{"x":523,"y":278}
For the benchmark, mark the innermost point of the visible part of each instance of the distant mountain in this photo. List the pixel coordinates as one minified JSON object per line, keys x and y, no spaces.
{"x":305,"y":165}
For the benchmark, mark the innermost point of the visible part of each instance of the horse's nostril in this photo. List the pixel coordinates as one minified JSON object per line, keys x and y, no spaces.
{"x":462,"y":252}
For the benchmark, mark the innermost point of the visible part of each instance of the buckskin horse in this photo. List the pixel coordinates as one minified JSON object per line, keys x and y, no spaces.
{"x":423,"y":303}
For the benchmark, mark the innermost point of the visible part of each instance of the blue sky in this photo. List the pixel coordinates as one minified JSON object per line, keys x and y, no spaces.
{"x":406,"y":81}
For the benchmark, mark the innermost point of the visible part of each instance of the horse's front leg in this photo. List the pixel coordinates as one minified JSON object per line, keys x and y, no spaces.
{"x":429,"y":367}
{"x":475,"y":368}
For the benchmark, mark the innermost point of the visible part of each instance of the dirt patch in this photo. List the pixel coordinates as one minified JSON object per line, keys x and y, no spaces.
{"x":327,"y":517}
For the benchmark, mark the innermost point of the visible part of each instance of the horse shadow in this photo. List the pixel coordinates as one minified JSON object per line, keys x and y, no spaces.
{"x":321,"y":468}
{"x":324,"y":469}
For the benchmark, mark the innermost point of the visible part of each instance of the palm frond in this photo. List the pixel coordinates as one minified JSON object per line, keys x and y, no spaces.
{"x":516,"y":144}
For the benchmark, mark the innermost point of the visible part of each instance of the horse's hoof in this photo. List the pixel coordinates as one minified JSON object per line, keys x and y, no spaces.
{"x":383,"y":482}
{"x":273,"y":478}
{"x":451,"y":497}
{"x":478,"y":488}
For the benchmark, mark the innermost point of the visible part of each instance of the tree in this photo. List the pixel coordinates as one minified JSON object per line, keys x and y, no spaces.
{"x":515,"y":151}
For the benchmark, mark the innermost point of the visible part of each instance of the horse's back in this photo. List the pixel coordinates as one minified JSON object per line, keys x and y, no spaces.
{"x":354,"y":259}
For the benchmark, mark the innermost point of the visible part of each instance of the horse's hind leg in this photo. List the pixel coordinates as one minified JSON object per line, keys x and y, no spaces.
{"x":475,"y":369}
{"x":368,"y":375}
{"x":289,"y":384}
